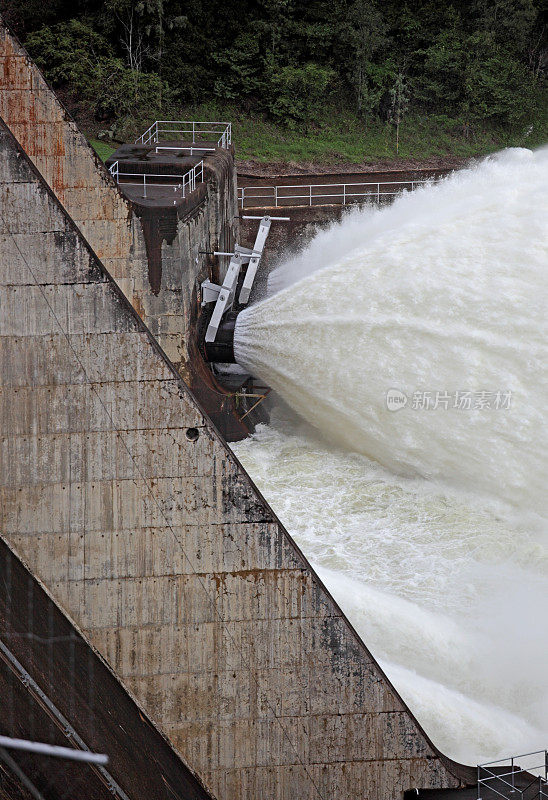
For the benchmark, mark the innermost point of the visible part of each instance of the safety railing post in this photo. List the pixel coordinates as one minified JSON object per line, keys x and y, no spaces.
{"x":512,"y":771}
{"x":308,"y":193}
{"x":546,"y":765}
{"x":144,"y":186}
{"x":193,"y":133}
{"x":479,"y":784}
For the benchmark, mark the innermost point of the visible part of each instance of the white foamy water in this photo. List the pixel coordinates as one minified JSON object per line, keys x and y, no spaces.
{"x":427,"y":524}
{"x":446,"y":292}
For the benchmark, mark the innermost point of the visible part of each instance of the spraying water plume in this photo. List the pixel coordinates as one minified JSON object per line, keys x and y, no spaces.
{"x":445,"y":291}
{"x":436,"y":306}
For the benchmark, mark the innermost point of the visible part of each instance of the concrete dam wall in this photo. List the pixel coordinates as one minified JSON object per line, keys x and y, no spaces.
{"x":121,"y":497}
{"x":42,"y":656}
{"x":158,"y":259}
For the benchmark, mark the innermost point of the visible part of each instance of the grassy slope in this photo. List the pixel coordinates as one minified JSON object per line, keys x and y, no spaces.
{"x":102,"y":149}
{"x":344,"y":138}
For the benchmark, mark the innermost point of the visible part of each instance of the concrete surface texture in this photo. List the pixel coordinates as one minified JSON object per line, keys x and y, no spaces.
{"x":122,"y":498}
{"x":159,"y":262}
{"x":42,"y":653}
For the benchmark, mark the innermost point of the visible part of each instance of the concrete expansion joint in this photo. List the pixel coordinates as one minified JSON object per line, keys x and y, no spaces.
{"x":45,"y":232}
{"x":52,"y":286}
{"x":29,"y":387}
{"x":327,"y":761}
{"x":218,"y":577}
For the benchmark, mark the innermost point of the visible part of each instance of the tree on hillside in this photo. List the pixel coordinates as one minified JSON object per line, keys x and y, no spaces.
{"x":475,"y":61}
{"x":399,"y":101}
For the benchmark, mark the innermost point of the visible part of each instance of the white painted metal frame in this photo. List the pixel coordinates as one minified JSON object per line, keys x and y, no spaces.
{"x":192,"y":177}
{"x":487,"y":776}
{"x":186,"y":183}
{"x":254,"y":261}
{"x":191,"y":149}
{"x":7,"y":656}
{"x":225,"y":298}
{"x":44,"y":749}
{"x":182,"y":129}
{"x":224,"y":295}
{"x":347,"y":193}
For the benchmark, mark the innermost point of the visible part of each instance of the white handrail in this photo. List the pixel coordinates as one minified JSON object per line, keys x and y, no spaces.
{"x":190,"y":148}
{"x":182,"y":129}
{"x":44,"y":749}
{"x":186,"y":183}
{"x":343,"y":191}
{"x":485,"y":775}
{"x":513,"y":758}
{"x":193,"y":176}
{"x":113,"y":169}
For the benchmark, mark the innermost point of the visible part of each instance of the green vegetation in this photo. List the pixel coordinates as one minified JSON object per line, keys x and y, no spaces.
{"x":322,"y":80}
{"x":102,"y":149}
{"x":339,"y":136}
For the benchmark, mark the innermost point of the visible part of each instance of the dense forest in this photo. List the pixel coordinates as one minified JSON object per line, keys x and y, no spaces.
{"x":468,"y":66}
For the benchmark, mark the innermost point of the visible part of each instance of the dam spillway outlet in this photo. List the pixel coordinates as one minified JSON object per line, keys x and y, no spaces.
{"x":428,"y":520}
{"x":135,"y":542}
{"x":221,"y":349}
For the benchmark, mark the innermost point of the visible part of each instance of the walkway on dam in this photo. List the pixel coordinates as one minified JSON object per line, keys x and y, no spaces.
{"x":328,"y":189}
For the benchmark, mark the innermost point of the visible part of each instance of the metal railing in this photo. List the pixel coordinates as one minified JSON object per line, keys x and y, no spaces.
{"x":185,"y":183}
{"x":221,"y":132}
{"x":192,"y":177}
{"x":315,"y":193}
{"x":504,"y":784}
{"x":114,"y":171}
{"x":192,"y":149}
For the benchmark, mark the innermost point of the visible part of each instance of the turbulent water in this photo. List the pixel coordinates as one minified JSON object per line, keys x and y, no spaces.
{"x":425,"y":512}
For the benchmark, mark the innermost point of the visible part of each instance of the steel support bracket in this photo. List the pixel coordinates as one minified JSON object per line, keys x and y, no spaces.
{"x":223,"y":296}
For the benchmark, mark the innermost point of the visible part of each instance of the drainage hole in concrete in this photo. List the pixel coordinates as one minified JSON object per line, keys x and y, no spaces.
{"x":192,"y":434}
